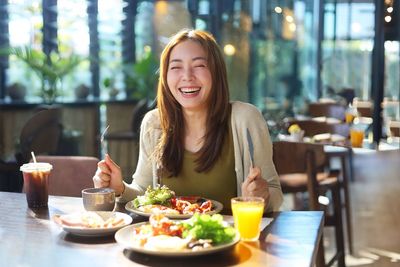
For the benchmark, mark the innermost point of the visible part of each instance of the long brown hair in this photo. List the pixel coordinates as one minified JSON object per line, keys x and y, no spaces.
{"x":171,"y":146}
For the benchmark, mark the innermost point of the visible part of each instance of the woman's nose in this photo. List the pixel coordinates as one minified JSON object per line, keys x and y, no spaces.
{"x":188,"y":74}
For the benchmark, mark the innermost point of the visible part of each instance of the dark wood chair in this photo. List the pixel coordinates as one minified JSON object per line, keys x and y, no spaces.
{"x":330,"y":110}
{"x":364,"y":108}
{"x":394,"y":128}
{"x":138,"y":112}
{"x":40,"y":134}
{"x":123,"y":146}
{"x":300,"y":167}
{"x":70,"y":174}
{"x":312,"y":128}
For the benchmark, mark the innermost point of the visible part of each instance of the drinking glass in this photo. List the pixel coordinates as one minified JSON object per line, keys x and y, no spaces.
{"x":356,"y":137}
{"x":36,"y":183}
{"x":247,"y":214}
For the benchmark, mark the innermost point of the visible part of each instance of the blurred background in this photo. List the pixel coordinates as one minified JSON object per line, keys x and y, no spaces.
{"x":96,"y":59}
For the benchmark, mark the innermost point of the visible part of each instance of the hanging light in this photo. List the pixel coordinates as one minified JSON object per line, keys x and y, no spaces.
{"x":278,"y":9}
{"x":229,"y":50}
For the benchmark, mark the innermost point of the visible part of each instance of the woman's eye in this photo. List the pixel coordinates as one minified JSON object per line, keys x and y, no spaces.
{"x":200,"y":66}
{"x":174,"y":68}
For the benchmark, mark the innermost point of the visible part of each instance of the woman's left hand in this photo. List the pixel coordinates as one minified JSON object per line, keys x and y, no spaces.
{"x":255,"y":186}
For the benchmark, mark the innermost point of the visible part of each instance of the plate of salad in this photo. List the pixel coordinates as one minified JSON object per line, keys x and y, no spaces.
{"x":163,"y":200}
{"x":161,"y":236}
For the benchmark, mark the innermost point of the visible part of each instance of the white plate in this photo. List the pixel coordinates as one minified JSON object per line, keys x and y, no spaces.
{"x":216,"y":207}
{"x":125,"y":238}
{"x":83,"y":231}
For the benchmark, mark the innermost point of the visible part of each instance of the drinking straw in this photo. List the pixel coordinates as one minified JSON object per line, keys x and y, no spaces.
{"x":33,"y":157}
{"x":37,"y":167}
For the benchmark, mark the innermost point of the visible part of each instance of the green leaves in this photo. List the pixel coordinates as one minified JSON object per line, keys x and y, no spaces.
{"x":50,"y":69}
{"x":211,"y":227}
{"x":159,"y":195}
{"x":141,"y":77}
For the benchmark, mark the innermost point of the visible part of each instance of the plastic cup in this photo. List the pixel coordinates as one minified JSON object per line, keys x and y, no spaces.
{"x":356,"y":137}
{"x":36,"y":183}
{"x":247,"y":214}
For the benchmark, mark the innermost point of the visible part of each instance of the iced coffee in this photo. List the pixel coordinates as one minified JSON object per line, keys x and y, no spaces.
{"x":36,"y":183}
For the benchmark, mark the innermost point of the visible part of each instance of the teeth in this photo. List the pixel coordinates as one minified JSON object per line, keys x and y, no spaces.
{"x":189,"y":90}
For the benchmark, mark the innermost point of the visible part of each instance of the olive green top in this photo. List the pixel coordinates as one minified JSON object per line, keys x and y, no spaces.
{"x":219,"y":183}
{"x":244,"y":117}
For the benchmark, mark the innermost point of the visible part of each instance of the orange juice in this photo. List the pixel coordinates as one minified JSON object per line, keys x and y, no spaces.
{"x":349,"y":117}
{"x":247,"y":214}
{"x":356,"y":137}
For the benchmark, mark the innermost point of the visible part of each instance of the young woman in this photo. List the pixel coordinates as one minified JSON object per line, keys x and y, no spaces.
{"x":195,"y":142}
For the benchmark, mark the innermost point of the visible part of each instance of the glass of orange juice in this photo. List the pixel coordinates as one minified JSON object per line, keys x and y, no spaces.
{"x":349,"y":117}
{"x":356,"y":137}
{"x":247,"y":214}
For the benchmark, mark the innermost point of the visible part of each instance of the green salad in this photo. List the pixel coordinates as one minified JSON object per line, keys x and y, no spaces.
{"x":213,"y":227}
{"x":158,"y":195}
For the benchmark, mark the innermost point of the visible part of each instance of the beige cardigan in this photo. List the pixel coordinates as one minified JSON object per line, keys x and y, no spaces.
{"x":244,"y":116}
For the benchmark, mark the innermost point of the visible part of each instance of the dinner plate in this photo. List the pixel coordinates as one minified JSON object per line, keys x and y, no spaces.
{"x":328,"y":137}
{"x":84,"y":231}
{"x":216,"y":207}
{"x":125,"y":238}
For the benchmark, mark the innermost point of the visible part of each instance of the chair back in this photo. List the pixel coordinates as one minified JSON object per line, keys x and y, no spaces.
{"x":306,"y":158}
{"x":70,"y":174}
{"x":394,"y":128}
{"x":40,"y":134}
{"x":331,"y":110}
{"x":138,"y":112}
{"x":313,"y":127}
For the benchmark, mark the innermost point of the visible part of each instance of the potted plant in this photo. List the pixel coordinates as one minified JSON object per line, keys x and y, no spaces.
{"x":50,"y":69}
{"x":141,"y":77}
{"x":109,"y":84}
{"x":16,"y":91}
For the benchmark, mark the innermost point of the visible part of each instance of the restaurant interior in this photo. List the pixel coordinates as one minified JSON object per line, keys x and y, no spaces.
{"x":77,"y":77}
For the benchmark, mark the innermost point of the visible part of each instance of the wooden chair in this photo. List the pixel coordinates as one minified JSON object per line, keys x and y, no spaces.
{"x":312,"y":128}
{"x":330,"y":110}
{"x":121,"y":141}
{"x":70,"y":174}
{"x":364,"y":108}
{"x":299,"y":166}
{"x":40,"y":134}
{"x":394,"y":128}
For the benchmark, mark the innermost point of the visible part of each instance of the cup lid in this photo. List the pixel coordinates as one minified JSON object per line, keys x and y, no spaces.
{"x":38,"y":166}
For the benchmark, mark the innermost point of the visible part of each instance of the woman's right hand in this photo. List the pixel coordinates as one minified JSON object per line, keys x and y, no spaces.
{"x":108,"y":174}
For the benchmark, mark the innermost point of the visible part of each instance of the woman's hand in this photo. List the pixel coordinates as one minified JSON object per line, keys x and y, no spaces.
{"x":108,"y":174}
{"x":255,"y":186}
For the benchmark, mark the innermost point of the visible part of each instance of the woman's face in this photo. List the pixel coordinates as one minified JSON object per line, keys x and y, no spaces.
{"x":189,"y":78}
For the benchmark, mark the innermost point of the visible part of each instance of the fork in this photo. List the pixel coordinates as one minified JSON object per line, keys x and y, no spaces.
{"x":103,"y":145}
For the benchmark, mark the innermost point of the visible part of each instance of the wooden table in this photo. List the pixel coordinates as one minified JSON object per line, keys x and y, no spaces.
{"x":31,"y":238}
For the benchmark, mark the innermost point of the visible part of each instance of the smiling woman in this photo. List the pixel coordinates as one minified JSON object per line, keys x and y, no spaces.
{"x":195,"y":142}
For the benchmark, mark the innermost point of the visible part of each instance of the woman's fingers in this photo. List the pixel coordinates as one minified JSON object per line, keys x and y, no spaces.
{"x":253,"y":174}
{"x":255,"y":185}
{"x":113,"y":167}
{"x":102,"y":176}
